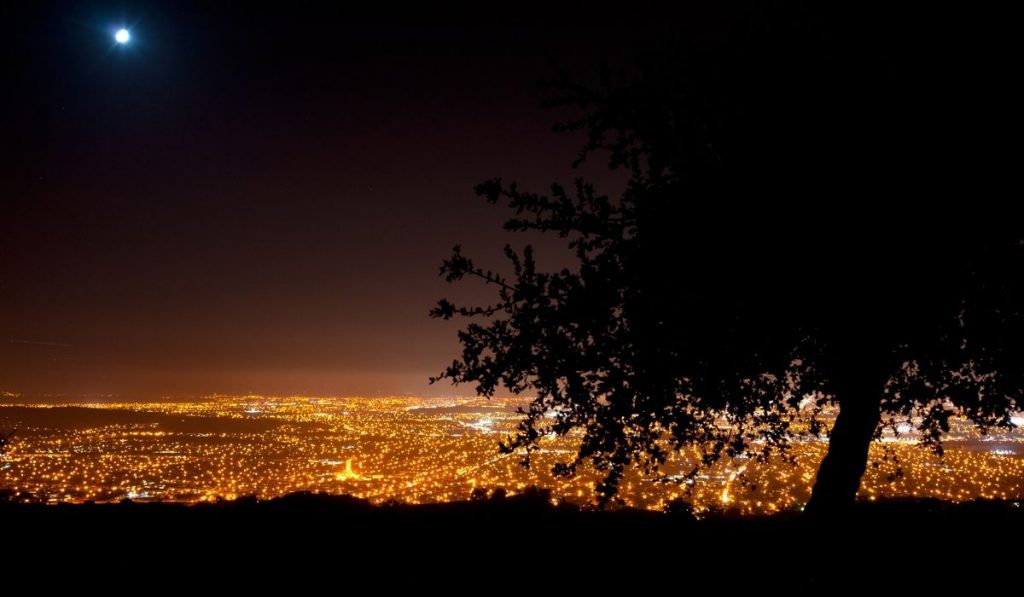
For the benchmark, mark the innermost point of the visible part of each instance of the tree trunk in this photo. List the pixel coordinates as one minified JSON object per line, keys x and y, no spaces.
{"x":839,"y":474}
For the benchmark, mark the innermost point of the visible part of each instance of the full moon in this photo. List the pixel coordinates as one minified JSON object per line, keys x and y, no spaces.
{"x":122,"y":36}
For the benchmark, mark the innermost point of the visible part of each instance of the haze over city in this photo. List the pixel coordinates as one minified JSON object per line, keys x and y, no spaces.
{"x":211,"y":207}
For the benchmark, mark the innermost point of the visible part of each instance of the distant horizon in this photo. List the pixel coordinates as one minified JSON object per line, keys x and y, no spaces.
{"x":7,"y":395}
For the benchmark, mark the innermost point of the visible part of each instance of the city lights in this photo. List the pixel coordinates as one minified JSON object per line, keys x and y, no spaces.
{"x":418,"y":450}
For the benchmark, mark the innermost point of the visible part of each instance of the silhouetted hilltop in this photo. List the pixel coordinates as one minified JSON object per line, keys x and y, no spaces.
{"x":493,"y":542}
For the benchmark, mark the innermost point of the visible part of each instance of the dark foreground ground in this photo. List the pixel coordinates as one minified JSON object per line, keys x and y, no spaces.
{"x":335,"y":544}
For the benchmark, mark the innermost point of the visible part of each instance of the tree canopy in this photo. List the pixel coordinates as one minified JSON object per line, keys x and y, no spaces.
{"x":781,"y":240}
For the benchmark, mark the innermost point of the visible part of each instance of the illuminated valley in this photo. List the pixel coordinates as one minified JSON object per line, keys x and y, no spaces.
{"x":411,"y":450}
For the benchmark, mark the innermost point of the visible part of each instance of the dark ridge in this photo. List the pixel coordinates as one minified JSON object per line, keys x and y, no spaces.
{"x":487,"y":543}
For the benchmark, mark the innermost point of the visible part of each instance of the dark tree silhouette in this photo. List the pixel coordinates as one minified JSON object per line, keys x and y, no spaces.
{"x":5,"y":438}
{"x":810,"y":212}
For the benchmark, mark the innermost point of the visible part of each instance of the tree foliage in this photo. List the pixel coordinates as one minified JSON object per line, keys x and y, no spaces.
{"x":716,"y":295}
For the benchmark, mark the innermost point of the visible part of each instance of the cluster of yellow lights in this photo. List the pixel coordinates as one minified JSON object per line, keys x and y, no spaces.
{"x":417,"y":450}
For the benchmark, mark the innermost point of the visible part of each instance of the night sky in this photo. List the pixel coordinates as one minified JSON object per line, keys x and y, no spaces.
{"x":244,"y":200}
